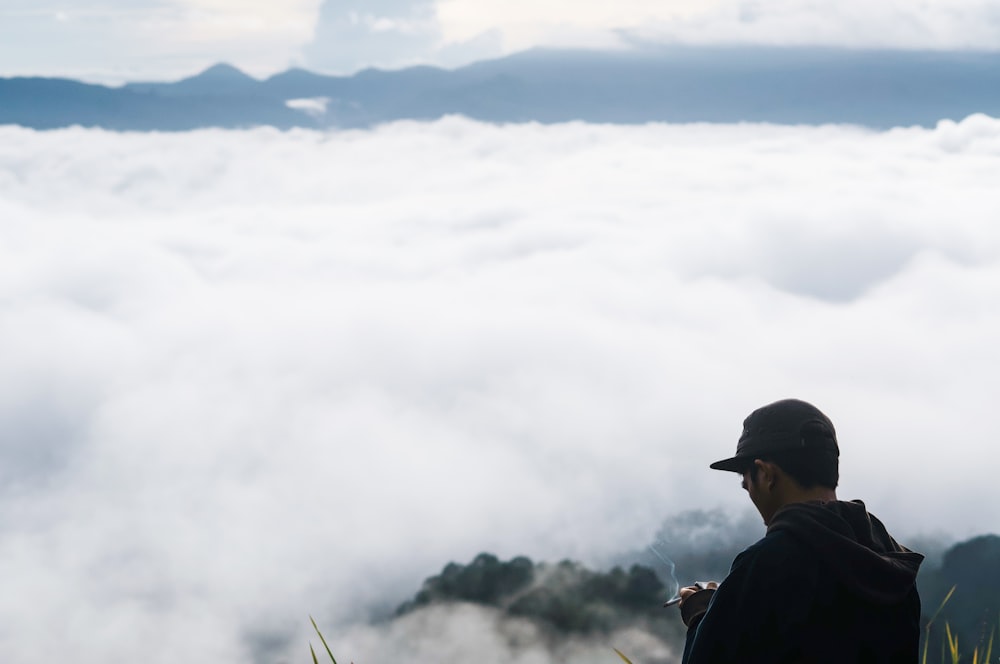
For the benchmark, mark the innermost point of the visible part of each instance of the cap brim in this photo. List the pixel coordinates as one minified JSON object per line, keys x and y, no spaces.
{"x":732,"y":464}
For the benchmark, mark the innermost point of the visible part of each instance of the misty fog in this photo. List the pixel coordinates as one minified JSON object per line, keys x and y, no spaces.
{"x":262,"y":375}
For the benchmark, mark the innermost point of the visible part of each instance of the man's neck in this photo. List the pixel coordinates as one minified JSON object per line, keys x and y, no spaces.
{"x":819,"y":494}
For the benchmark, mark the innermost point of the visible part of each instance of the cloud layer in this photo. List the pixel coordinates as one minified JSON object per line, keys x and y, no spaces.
{"x":935,"y":24}
{"x":255,"y":375}
{"x":114,"y":41}
{"x":395,"y":33}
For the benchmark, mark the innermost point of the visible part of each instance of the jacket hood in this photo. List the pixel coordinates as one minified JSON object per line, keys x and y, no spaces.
{"x":855,"y":545}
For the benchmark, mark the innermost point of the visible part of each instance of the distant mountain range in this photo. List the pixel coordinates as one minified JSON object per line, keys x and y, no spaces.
{"x":674,"y":84}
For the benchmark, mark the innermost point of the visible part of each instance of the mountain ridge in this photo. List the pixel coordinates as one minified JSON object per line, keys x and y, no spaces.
{"x":781,"y":85}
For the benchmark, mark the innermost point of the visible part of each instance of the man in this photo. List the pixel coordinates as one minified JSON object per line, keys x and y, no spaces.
{"x":826,"y":584}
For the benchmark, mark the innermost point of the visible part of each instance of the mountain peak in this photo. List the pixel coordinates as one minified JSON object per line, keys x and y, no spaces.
{"x":223,"y":71}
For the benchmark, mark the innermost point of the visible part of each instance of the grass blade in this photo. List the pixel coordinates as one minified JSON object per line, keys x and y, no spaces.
{"x":988,"y":653}
{"x":328,"y":651}
{"x":626,"y":659}
{"x":943,"y":602}
{"x":927,"y":627}
{"x":952,"y":643}
{"x":315,"y":661}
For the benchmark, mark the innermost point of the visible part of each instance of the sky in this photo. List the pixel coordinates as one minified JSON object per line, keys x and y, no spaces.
{"x":256,"y":375}
{"x":113,"y":41}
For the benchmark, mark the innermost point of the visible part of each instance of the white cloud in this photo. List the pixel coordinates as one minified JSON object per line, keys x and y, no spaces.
{"x":292,"y":21}
{"x":944,"y":24}
{"x":117,"y":40}
{"x":473,"y":633}
{"x":355,"y":34}
{"x":525,"y":24}
{"x":314,"y":106}
{"x":256,"y":375}
{"x":936,"y":24}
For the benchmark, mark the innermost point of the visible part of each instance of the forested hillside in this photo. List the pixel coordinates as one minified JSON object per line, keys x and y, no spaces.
{"x":566,"y":599}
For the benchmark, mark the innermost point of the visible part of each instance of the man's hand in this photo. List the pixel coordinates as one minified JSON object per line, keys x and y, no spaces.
{"x":687,"y":591}
{"x":694,"y":601}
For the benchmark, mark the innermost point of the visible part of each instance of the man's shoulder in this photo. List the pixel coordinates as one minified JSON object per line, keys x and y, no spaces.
{"x":774,"y":541}
{"x":776,"y":549}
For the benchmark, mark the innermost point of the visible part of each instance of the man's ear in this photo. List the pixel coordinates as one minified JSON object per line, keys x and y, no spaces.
{"x":767,"y":473}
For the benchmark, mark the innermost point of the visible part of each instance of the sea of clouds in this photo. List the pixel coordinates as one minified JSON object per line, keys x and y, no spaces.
{"x":250,"y":376}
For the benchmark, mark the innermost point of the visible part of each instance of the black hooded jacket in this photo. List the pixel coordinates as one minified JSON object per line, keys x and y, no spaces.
{"x":826,"y":585}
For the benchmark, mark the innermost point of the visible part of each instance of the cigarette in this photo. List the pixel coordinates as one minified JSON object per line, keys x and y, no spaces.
{"x":700,"y":585}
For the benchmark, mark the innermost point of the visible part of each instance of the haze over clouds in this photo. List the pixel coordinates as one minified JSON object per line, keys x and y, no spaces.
{"x":118,"y":40}
{"x":938,"y":24}
{"x":260,"y":375}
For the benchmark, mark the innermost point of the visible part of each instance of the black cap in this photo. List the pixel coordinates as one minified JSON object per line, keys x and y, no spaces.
{"x":783,"y":425}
